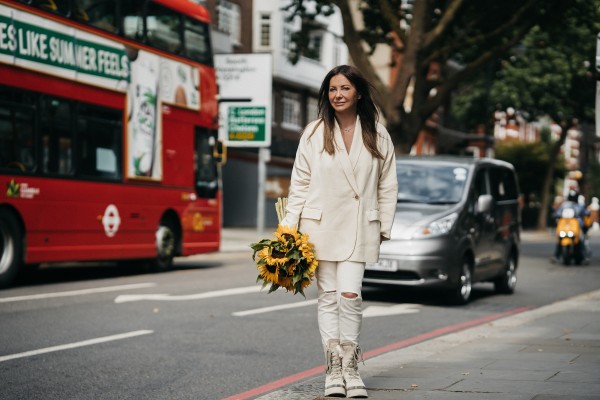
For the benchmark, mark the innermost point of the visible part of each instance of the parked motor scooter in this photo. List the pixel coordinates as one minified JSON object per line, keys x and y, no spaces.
{"x":570,"y":238}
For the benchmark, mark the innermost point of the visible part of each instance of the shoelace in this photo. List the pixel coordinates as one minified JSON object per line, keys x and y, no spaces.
{"x":333,"y":360}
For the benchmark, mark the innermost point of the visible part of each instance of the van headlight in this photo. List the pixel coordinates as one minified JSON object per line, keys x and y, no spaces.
{"x":438,"y":227}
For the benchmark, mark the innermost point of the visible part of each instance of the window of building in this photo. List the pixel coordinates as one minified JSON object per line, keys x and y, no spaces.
{"x":292,"y":110}
{"x":229,"y":21}
{"x":313,"y":50}
{"x":287,"y":37}
{"x":312,"y":109}
{"x":163,"y":28}
{"x":265,"y":30}
{"x":339,"y":43}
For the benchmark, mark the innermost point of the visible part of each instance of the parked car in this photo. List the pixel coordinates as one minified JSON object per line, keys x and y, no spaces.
{"x":457,"y":222}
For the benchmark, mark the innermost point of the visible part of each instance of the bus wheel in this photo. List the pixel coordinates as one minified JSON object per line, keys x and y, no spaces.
{"x":11,"y":248}
{"x":165,"y":247}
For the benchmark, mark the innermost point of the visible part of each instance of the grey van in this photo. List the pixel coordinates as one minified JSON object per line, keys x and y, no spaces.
{"x":457,"y":222}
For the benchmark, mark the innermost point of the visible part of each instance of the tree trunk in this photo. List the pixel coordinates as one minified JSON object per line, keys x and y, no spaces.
{"x":548,"y":179}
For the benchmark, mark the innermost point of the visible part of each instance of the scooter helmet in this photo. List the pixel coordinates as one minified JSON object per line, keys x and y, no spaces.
{"x":573,"y":195}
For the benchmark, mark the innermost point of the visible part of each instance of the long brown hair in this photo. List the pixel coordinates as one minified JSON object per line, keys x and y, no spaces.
{"x":365,"y":108}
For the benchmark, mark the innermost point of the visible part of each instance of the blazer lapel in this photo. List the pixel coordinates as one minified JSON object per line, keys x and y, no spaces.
{"x":357,"y":144}
{"x":342,"y":156}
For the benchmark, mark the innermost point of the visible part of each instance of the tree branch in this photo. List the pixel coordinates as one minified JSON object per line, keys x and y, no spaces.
{"x":444,"y":90}
{"x":442,"y":27}
{"x":393,"y":21}
{"x":360,"y":58}
{"x":499,"y":31}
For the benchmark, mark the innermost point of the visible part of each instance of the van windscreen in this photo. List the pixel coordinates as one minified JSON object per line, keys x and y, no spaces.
{"x":430,"y":184}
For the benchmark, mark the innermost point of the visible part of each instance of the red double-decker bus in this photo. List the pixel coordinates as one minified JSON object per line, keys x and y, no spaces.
{"x":108,"y":132}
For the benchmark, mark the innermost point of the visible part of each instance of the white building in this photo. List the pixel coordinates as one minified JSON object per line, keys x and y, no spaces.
{"x":295,"y":94}
{"x":295,"y":87}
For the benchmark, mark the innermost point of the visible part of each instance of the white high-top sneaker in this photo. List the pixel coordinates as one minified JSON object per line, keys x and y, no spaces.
{"x":334,"y":382}
{"x":351,"y":355}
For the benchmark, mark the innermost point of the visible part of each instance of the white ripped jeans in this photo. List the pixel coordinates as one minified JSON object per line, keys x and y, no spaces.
{"x":340,"y":302}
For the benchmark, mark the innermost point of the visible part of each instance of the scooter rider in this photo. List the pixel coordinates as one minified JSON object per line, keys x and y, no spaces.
{"x":580,"y":212}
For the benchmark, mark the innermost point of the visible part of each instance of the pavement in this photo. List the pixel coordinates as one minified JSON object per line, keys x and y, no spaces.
{"x":547,"y":353}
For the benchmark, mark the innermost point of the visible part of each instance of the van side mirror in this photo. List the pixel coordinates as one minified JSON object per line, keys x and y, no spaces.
{"x":484,"y":203}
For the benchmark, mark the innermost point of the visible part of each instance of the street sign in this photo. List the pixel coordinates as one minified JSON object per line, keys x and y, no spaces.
{"x":246,"y":123}
{"x":245,"y":95}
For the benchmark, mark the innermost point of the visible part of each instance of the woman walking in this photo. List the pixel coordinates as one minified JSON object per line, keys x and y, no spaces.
{"x":343,"y":193}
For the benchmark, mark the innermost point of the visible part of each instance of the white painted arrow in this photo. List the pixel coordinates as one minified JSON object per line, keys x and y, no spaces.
{"x":125,"y":298}
{"x":379,"y":311}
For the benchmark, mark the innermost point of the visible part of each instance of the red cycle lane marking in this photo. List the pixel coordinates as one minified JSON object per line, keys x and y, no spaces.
{"x":376,"y":352}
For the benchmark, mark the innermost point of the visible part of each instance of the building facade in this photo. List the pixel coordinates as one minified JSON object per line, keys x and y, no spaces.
{"x":263,"y":26}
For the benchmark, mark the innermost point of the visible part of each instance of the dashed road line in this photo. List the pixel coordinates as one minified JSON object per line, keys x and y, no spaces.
{"x":68,"y":346}
{"x":78,"y":292}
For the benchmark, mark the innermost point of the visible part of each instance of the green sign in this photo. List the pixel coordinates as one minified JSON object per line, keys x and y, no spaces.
{"x":29,"y":42}
{"x":246,"y":123}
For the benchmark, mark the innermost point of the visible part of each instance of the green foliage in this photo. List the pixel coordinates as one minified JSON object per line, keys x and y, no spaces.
{"x":550,"y":73}
{"x":531,"y":161}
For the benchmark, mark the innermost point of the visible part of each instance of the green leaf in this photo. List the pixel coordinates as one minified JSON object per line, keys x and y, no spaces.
{"x":273,"y":288}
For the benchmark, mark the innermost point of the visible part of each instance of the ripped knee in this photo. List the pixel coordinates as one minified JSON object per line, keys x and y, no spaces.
{"x":349,"y":295}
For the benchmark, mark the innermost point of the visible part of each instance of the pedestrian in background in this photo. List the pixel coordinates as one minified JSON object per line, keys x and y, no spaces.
{"x":343,"y":193}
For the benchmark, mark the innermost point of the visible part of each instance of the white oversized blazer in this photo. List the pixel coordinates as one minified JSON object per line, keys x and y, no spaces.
{"x":343,"y":201}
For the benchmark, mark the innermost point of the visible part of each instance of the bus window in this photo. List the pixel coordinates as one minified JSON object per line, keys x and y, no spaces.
{"x":56,"y":6}
{"x":133,"y":19}
{"x":17,"y":116}
{"x":197,"y":41}
{"x":206,"y":166}
{"x":163,"y":28}
{"x":99,"y":13}
{"x":99,"y":137}
{"x":55,"y":128}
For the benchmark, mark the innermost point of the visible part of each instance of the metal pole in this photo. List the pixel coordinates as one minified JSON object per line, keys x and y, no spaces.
{"x":264,"y":154}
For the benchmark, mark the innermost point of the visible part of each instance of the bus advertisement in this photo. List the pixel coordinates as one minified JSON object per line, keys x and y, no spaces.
{"x":108,"y":133}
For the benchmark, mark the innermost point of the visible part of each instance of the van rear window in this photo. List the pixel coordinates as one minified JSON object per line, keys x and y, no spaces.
{"x":503,"y":184}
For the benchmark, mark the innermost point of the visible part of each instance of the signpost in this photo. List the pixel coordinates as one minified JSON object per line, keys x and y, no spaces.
{"x":245,"y":95}
{"x":598,"y":86}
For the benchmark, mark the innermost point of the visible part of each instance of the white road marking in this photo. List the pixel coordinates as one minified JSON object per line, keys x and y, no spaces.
{"x":124,"y":298}
{"x":274,"y":308}
{"x":379,"y":311}
{"x":77,"y":292}
{"x":76,"y":344}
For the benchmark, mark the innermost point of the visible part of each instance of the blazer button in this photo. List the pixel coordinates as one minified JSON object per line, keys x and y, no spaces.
{"x":356,"y":197}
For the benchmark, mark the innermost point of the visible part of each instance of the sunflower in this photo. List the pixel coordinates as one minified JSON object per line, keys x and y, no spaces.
{"x":313,"y":266}
{"x":286,"y":233}
{"x":305,"y":283}
{"x":288,"y":261}
{"x":269,"y":273}
{"x":286,"y":283}
{"x":276,"y":258}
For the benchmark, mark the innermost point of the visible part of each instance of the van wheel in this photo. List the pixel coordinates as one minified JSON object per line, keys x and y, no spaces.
{"x":507,"y":282}
{"x":11,"y":248}
{"x":165,"y":247}
{"x":461,"y":294}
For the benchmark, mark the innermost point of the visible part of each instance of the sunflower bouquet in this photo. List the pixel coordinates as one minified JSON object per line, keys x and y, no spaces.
{"x":287,"y":261}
